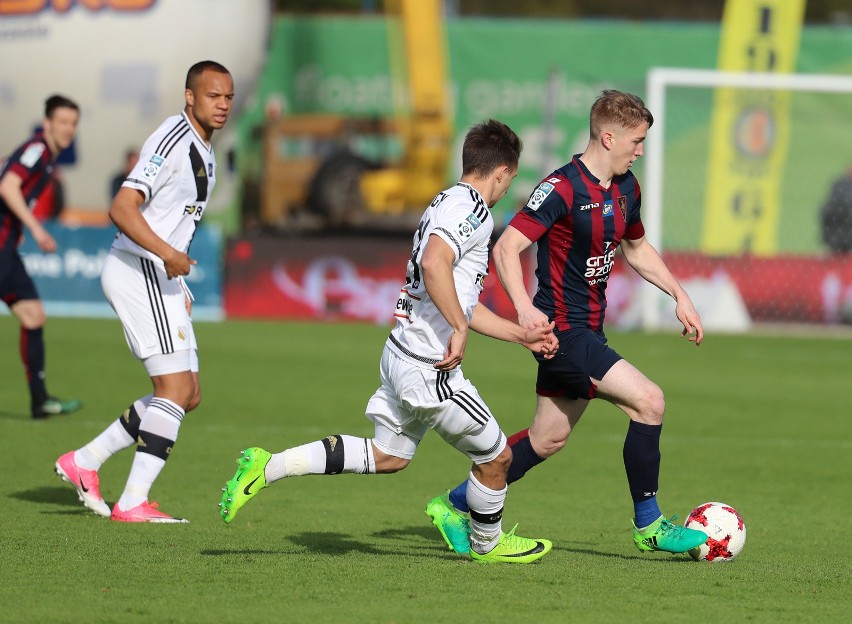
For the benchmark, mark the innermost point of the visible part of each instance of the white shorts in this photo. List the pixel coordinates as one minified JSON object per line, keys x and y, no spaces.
{"x":152,"y":310}
{"x":413,"y":399}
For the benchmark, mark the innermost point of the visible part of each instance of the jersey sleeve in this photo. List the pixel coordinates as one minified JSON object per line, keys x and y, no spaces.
{"x":635,"y":230}
{"x":28,"y":159}
{"x":152,"y":170}
{"x":545,"y":207}
{"x":462,"y":226}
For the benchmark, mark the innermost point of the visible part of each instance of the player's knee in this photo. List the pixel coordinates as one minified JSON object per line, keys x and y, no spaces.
{"x":652,"y":405}
{"x":388,"y":464}
{"x":497,"y":468}
{"x":547,"y":441}
{"x":32,"y":317}
{"x":550,"y":446}
{"x":194,"y":401}
{"x":504,"y":459}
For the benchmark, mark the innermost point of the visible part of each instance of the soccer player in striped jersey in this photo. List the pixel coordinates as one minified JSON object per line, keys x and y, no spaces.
{"x":23,"y":179}
{"x":423,"y":386}
{"x":156,"y":212}
{"x":579,"y":216}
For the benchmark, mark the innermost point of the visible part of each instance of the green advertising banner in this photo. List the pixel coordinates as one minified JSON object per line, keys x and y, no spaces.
{"x":540,"y":77}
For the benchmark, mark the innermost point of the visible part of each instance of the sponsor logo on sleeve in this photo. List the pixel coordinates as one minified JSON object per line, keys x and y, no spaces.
{"x":539,"y":195}
{"x":152,"y":167}
{"x":467,"y":227}
{"x":32,"y":154}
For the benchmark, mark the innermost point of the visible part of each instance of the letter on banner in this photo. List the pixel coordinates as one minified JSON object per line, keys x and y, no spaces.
{"x":750,"y":129}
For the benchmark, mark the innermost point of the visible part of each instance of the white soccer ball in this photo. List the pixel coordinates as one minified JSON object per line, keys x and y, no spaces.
{"x":725,"y":529}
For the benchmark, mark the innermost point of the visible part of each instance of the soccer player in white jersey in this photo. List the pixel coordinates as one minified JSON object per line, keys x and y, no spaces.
{"x":156,"y":212}
{"x":423,"y":386}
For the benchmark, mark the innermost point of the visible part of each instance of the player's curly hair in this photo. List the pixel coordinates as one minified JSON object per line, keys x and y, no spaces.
{"x":488,"y":145}
{"x":621,"y":109}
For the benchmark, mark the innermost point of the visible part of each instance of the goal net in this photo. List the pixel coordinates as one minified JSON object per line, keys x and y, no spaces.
{"x":737,"y":173}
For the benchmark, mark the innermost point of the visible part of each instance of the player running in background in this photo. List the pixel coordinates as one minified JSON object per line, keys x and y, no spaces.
{"x":156,"y":212}
{"x":23,"y":178}
{"x":579,"y":215}
{"x":423,"y":386}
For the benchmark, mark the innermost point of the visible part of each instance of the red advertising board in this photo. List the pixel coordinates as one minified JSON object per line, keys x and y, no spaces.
{"x":783,"y":288}
{"x":358,"y":279}
{"x":343,"y":278}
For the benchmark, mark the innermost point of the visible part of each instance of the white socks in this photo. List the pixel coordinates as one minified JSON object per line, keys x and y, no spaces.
{"x":157,"y":433}
{"x":486,"y":514}
{"x":332,"y":455}
{"x":113,"y":439}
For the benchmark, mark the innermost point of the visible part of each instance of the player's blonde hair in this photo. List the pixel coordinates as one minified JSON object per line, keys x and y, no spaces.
{"x":617,"y":108}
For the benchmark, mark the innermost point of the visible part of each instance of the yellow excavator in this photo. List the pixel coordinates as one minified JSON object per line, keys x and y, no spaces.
{"x":342,"y":188}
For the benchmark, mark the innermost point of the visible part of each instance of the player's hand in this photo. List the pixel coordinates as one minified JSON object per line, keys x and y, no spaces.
{"x":178,"y":264}
{"x":44,"y":240}
{"x":542,"y":340}
{"x":687,"y":315}
{"x":454,"y":353}
{"x":530,"y":317}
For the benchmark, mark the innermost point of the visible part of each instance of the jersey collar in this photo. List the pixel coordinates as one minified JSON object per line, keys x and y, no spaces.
{"x":207,"y":145}
{"x":470,"y":188}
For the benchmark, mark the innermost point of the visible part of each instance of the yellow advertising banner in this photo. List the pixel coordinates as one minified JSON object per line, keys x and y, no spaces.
{"x":750,"y":128}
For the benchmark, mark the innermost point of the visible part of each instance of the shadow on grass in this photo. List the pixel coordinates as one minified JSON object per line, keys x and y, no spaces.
{"x":420,"y":533}
{"x":48,"y":496}
{"x":428,"y":533}
{"x":649,"y":557}
{"x":335,"y":544}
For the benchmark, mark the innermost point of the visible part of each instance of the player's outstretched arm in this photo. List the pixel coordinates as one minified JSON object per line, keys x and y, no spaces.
{"x":507,"y":261}
{"x":647,"y":262}
{"x":538,"y":339}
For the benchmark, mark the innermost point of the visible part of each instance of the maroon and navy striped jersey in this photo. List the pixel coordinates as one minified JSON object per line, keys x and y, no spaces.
{"x":578,"y":225}
{"x":33,"y":163}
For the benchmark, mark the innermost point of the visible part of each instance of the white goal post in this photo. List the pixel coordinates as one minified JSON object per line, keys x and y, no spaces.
{"x":659,"y":79}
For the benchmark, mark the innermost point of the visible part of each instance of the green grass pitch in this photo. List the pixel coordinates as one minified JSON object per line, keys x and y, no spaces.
{"x":761,"y":423}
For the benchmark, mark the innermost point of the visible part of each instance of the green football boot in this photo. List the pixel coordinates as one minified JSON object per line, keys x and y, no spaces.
{"x":248,"y":481}
{"x":53,"y":405}
{"x":514,"y":549}
{"x":452,"y":523}
{"x":663,"y":534}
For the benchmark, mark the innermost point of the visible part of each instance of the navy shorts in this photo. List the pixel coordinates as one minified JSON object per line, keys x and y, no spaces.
{"x":15,"y":283}
{"x":583,"y":355}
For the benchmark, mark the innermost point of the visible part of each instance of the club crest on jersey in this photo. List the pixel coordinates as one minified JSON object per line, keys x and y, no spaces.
{"x":539,"y":195}
{"x":607,"y":208}
{"x":152,"y":167}
{"x":622,"y":205}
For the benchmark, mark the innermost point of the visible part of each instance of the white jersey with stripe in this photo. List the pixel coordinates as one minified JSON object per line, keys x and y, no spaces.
{"x":176,"y":173}
{"x":460,"y":217}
